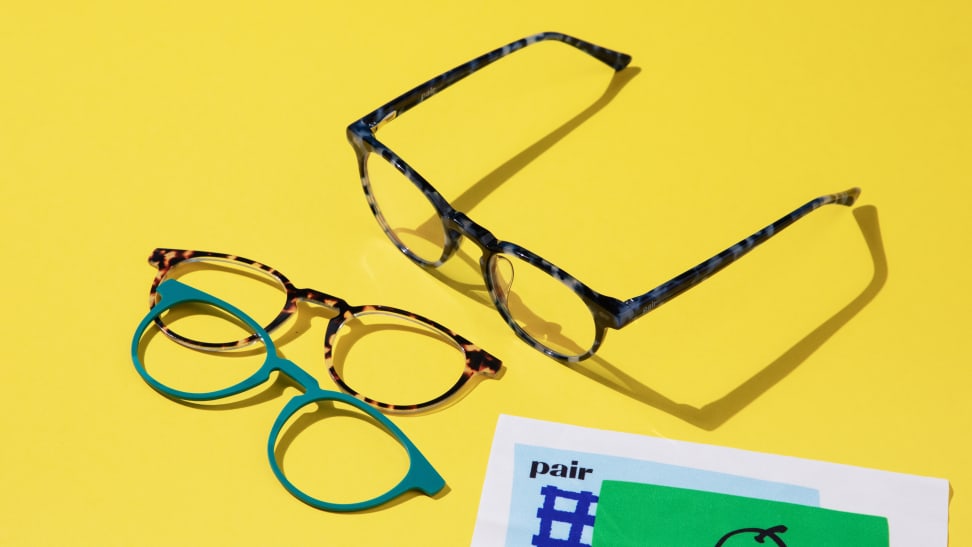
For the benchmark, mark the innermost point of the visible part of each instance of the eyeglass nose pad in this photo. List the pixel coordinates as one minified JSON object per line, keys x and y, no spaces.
{"x":501,"y":271}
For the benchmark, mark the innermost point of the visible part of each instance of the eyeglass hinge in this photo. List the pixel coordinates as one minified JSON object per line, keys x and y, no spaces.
{"x":388,"y":117}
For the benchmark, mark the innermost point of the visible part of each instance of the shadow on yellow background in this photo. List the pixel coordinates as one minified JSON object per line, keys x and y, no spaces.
{"x":720,"y":411}
{"x":125,"y":127}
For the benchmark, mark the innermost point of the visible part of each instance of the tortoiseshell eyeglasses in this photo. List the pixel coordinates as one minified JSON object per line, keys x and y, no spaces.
{"x":544,"y":305}
{"x":450,"y":363}
{"x":444,"y":361}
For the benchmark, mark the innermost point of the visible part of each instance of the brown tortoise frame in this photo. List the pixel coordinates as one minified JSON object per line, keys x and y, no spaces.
{"x":478,"y":362}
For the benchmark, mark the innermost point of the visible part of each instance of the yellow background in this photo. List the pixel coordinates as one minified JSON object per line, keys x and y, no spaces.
{"x":221,"y":127}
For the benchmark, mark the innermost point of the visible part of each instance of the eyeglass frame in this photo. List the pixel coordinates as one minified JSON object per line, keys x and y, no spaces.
{"x":477,"y":361}
{"x":607,"y":311}
{"x":420,"y":476}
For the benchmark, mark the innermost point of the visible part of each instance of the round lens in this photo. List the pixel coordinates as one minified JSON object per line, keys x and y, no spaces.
{"x":254,"y":291}
{"x":182,"y":368}
{"x":406,"y":215}
{"x":370,"y":350}
{"x":336,"y":453}
{"x":544,"y":308}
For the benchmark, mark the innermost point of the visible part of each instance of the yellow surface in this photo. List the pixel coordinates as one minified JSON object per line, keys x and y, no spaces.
{"x":129,"y":126}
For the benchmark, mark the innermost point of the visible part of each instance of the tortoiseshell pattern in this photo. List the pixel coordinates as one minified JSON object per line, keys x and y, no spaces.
{"x":477,"y":361}
{"x":608,"y":312}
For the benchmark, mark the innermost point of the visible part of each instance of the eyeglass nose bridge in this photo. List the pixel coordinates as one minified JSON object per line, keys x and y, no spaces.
{"x":320,"y":298}
{"x":458,"y":224}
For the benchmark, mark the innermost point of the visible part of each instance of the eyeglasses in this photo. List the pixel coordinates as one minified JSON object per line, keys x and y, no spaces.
{"x":176,"y":303}
{"x":368,"y":372}
{"x":544,"y":305}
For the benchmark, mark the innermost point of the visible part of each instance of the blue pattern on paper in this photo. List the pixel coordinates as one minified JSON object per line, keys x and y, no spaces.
{"x":575,"y":517}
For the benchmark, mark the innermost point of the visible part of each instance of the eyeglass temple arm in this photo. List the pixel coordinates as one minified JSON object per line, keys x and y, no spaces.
{"x":640,"y":305}
{"x":407,"y":100}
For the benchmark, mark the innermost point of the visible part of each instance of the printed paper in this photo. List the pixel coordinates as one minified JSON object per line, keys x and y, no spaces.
{"x":514,"y":506}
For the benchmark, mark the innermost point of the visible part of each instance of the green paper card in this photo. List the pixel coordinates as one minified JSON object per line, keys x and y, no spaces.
{"x":647,"y":515}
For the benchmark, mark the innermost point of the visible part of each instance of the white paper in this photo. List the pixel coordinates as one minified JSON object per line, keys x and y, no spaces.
{"x":916,"y":507}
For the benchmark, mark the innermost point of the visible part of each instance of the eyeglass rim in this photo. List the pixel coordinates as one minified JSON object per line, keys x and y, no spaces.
{"x":171,"y":293}
{"x":166,"y":259}
{"x":421,"y":475}
{"x":599,"y":320}
{"x":369,"y":146}
{"x":477,"y":362}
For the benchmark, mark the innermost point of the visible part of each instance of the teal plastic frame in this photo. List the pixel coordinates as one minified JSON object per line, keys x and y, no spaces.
{"x":421,"y":476}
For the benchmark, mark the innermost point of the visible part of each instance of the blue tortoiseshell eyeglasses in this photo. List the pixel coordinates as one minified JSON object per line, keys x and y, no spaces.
{"x":546,"y":307}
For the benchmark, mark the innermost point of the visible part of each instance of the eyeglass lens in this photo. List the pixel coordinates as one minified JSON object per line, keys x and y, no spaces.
{"x":409,"y":217}
{"x":370,"y":351}
{"x":254,"y":291}
{"x":545,"y":309}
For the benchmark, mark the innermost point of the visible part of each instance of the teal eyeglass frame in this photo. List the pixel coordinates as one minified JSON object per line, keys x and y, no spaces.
{"x":421,"y":476}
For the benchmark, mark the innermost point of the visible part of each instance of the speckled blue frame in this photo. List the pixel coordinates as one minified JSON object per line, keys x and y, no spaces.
{"x":608,"y":312}
{"x":420,"y":476}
